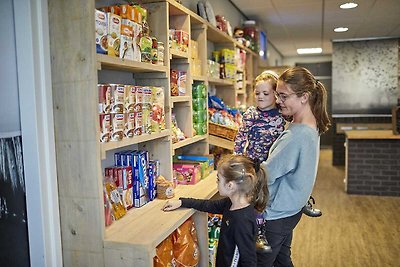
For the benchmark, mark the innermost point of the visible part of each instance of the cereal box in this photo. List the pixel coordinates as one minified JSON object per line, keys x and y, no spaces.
{"x":139,"y":99}
{"x":117,"y":98}
{"x":138,"y":123}
{"x":137,"y":32}
{"x":114,"y":34}
{"x":187,"y":173}
{"x":126,"y":48}
{"x":104,"y":98}
{"x":101,"y":32}
{"x":105,"y":127}
{"x":129,"y":124}
{"x":117,"y":128}
{"x":130,"y":98}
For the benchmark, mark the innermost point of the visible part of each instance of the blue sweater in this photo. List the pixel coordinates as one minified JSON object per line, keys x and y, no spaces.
{"x":292,"y":170}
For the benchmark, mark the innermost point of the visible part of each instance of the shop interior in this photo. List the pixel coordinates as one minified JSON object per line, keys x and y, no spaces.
{"x":113,"y":107}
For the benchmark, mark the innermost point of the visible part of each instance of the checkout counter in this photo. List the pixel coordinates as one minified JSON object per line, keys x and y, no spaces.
{"x":372,"y":162}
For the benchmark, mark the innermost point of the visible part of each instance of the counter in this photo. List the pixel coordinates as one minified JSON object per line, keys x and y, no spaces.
{"x":372,"y":163}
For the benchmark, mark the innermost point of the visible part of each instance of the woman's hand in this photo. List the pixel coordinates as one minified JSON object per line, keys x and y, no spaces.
{"x":172,"y":205}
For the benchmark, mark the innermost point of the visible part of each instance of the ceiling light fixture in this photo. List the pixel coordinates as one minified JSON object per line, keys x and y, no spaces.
{"x":341,"y":29}
{"x":302,"y":51}
{"x":348,"y":5}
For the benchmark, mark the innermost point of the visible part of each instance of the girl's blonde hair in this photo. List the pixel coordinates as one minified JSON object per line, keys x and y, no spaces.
{"x":251,"y":179}
{"x":267,"y":76}
{"x":301,"y":81}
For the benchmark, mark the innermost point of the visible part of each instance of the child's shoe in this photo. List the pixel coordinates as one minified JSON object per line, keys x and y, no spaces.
{"x":309,"y":210}
{"x":262,"y":245}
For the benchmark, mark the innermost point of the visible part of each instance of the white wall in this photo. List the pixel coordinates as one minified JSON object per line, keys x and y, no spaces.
{"x":9,"y":109}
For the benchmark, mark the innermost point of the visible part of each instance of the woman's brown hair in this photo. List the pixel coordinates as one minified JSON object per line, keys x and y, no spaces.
{"x":301,"y":81}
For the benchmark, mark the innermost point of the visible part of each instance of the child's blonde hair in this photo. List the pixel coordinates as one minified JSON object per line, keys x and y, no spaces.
{"x":248,"y":175}
{"x":267,"y":76}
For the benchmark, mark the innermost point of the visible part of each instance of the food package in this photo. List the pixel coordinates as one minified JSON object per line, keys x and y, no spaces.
{"x":118,"y":208}
{"x":164,"y":254}
{"x":114,"y":34}
{"x":108,"y":210}
{"x":165,"y":188}
{"x":101,"y":32}
{"x":187,"y":173}
{"x":158,"y":111}
{"x":185,"y":245}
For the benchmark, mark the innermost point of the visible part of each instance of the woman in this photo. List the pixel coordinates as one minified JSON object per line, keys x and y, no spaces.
{"x":293,"y":159}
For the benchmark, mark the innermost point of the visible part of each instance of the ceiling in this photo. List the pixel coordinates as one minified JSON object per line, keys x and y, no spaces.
{"x":293,"y":24}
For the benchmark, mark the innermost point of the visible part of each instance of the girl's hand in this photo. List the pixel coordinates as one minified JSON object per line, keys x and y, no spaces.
{"x":172,"y":205}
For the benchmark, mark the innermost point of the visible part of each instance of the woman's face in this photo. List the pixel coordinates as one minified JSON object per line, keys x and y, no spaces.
{"x":264,"y":94}
{"x":289,"y":102}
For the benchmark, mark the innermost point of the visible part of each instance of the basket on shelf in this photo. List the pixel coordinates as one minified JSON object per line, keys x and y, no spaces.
{"x":222,"y":131}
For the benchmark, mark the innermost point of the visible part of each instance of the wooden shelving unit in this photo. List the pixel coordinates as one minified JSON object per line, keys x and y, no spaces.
{"x":221,"y":142}
{"x":81,"y":158}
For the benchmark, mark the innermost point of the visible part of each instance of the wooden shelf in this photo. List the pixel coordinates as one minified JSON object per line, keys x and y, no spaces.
{"x":220,"y":142}
{"x":241,"y":92}
{"x":142,"y":229}
{"x":189,"y":141}
{"x":199,"y":78}
{"x":115,"y":63}
{"x":215,"y":35}
{"x":219,"y":81}
{"x":111,"y":145}
{"x":175,"y":99}
{"x":178,"y":54}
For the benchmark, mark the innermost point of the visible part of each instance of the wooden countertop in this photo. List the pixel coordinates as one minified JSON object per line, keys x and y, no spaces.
{"x":371,"y":134}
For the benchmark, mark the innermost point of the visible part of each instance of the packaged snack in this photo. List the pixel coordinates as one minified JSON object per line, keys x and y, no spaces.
{"x":113,"y":34}
{"x":104,"y":98}
{"x":101,"y":32}
{"x":157,"y":112}
{"x":105,"y":127}
{"x":164,"y":254}
{"x":185,"y":245}
{"x":181,"y":83}
{"x":118,"y":208}
{"x":117,"y":126}
{"x":129,"y":129}
{"x":117,"y":98}
{"x":108,"y":210}
{"x":187,"y":173}
{"x":174,"y":82}
{"x":165,"y":188}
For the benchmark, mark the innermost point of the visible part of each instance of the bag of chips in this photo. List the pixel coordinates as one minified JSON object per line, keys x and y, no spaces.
{"x":164,"y":254}
{"x":186,"y":249}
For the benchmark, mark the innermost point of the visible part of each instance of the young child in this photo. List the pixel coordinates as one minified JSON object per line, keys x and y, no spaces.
{"x":260,"y":128}
{"x":261,"y":124}
{"x":244,"y":186}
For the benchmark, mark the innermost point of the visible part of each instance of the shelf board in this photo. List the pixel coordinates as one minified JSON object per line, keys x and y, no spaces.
{"x":189,"y":141}
{"x":111,"y":145}
{"x":178,"y":54}
{"x":175,"y":99}
{"x":219,"y":81}
{"x":241,"y":92}
{"x":220,"y":142}
{"x":115,"y":63}
{"x":151,"y":221}
{"x":199,"y":78}
{"x":215,"y":35}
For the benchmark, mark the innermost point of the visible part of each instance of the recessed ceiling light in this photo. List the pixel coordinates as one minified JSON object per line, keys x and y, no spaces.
{"x":309,"y":51}
{"x":348,"y":5}
{"x":341,"y":29}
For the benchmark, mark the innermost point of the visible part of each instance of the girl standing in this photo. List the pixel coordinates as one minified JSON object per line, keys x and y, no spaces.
{"x":244,"y":185}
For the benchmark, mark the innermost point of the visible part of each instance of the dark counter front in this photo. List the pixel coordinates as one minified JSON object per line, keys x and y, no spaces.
{"x":372,"y":163}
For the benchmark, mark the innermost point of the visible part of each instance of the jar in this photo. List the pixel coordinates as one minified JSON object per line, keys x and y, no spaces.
{"x":160,"y":53}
